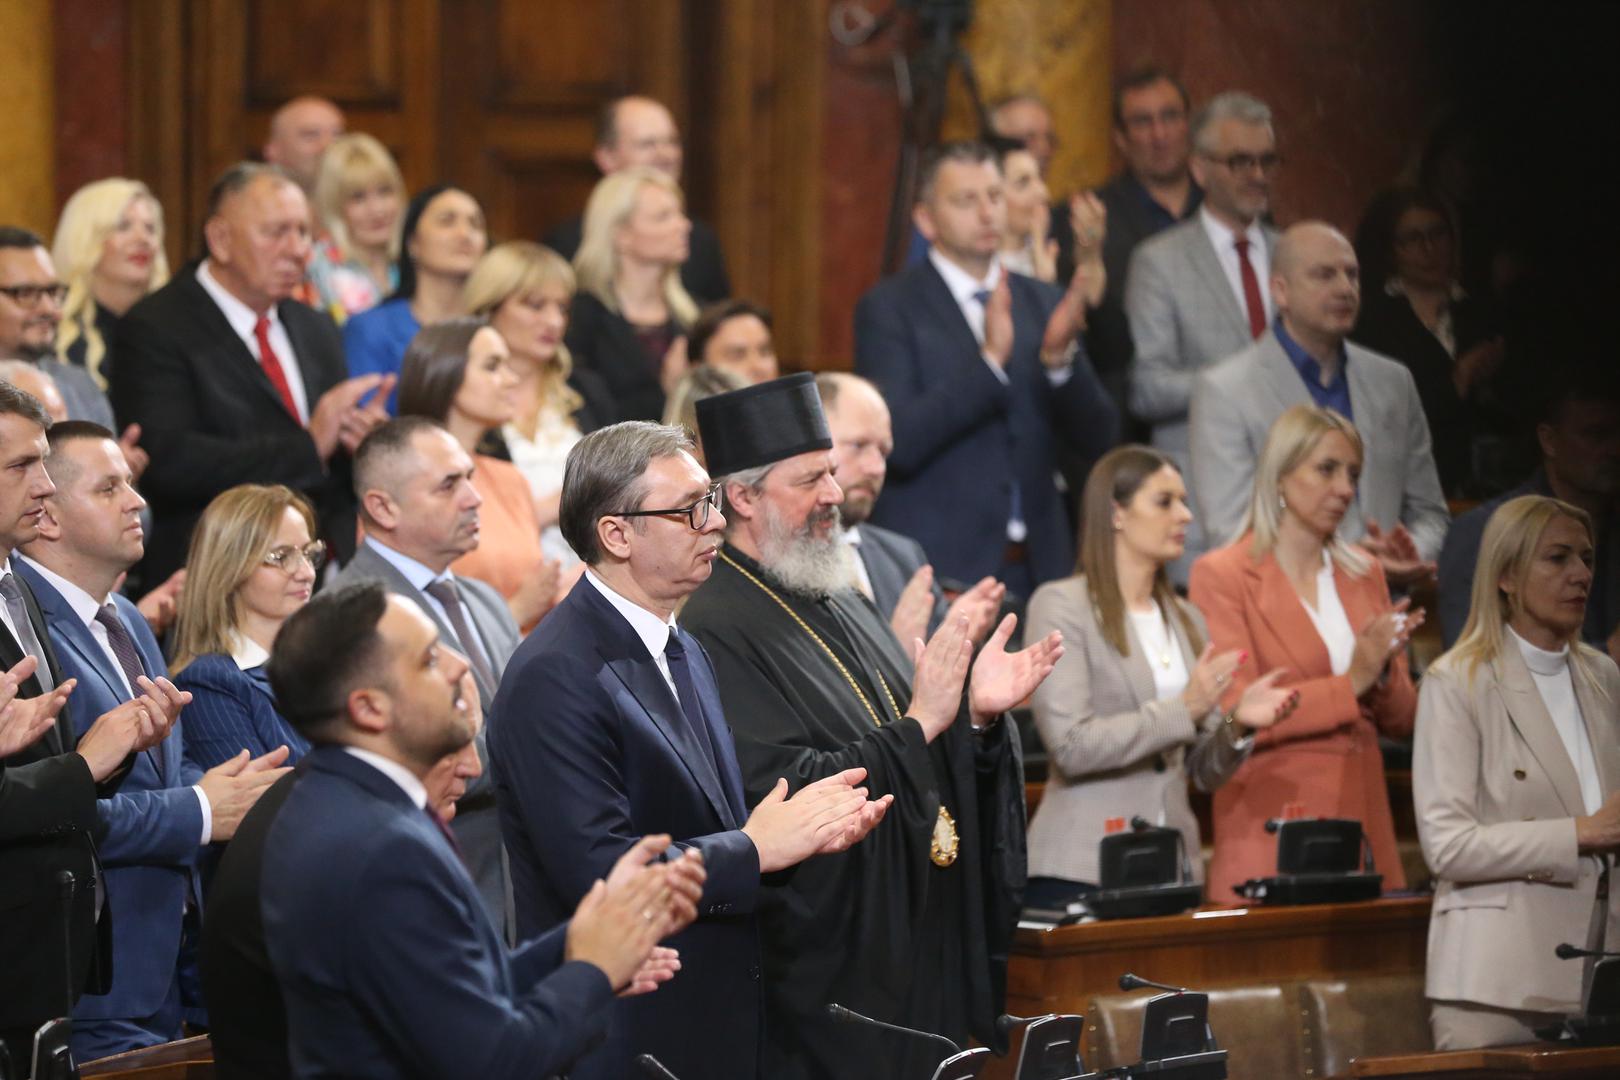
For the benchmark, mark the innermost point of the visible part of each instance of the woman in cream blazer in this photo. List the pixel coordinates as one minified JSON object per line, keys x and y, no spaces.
{"x":1128,"y":714}
{"x":1516,"y":781}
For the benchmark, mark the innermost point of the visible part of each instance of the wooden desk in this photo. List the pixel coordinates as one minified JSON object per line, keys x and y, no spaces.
{"x":1497,"y":1063}
{"x":1061,"y":970}
{"x":1058,"y":970}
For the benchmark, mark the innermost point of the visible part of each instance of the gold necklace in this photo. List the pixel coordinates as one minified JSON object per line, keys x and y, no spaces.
{"x":945,"y":844}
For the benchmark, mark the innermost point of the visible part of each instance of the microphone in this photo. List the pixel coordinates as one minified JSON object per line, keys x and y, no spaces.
{"x":1006,"y":1023}
{"x":1566,"y":951}
{"x":654,"y":1067}
{"x":841,"y":1015}
{"x":1129,"y":981}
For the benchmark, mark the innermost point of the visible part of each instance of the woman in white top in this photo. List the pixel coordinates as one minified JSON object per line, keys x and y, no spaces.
{"x":1291,"y":594}
{"x":1129,"y":713}
{"x":525,"y":289}
{"x":1516,"y":782}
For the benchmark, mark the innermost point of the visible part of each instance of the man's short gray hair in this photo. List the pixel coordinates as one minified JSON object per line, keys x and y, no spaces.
{"x":1231,"y":105}
{"x":752,"y":479}
{"x":606,"y":474}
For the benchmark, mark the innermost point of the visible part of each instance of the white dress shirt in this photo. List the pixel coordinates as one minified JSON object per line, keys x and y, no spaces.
{"x":1332,"y":624}
{"x":1223,"y":239}
{"x":408,"y":781}
{"x":653,"y":631}
{"x":852,"y":537}
{"x":85,"y":607}
{"x":1550,"y":670}
{"x":243,"y":319}
{"x":1163,"y":651}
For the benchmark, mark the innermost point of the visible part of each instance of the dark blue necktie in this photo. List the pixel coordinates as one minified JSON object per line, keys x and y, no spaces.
{"x":681,"y":673}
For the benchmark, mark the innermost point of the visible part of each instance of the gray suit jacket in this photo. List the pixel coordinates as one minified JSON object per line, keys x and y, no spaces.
{"x":477,"y":825}
{"x":1115,"y":750}
{"x":1236,"y":402}
{"x":1184,"y":317}
{"x":1497,"y":796}
{"x":890,"y":560}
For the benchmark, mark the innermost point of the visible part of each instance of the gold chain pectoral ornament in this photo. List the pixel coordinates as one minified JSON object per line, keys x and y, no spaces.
{"x":945,"y":843}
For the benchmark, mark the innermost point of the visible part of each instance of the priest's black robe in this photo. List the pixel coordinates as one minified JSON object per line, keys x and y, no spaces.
{"x":879,"y":928}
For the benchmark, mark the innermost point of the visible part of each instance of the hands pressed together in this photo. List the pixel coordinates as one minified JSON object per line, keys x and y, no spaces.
{"x":618,"y":925}
{"x":827,"y":816}
{"x":340,"y":420}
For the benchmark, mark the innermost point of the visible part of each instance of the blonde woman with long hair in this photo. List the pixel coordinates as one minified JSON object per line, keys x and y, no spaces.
{"x":1129,"y":713}
{"x":1291,"y":594}
{"x":359,"y":197}
{"x":108,"y":251}
{"x":630,"y":319}
{"x":1516,"y":783}
{"x":253,"y":562}
{"x":525,"y":290}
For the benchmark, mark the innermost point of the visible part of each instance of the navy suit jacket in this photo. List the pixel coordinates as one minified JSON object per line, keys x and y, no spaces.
{"x":233,"y":710}
{"x":589,"y":755}
{"x":963,"y":437}
{"x":148,"y":834}
{"x":388,"y":962}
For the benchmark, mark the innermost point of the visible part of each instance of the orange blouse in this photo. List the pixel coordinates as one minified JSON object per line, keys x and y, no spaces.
{"x":508,"y":550}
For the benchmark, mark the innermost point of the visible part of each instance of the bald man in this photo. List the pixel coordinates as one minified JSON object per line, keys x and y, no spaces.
{"x":1304,"y":358}
{"x":300,"y":131}
{"x":635,"y":130}
{"x":31,"y":380}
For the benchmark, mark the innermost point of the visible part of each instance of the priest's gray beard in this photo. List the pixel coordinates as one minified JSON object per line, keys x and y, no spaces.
{"x":803,"y":562}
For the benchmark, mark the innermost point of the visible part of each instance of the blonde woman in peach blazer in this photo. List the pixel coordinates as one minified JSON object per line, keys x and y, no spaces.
{"x":1291,"y":594}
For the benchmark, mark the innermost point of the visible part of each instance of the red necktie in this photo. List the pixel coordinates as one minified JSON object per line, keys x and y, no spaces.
{"x":278,"y":377}
{"x":1251,"y":289}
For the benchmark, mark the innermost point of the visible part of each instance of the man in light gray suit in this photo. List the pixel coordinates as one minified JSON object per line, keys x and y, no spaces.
{"x":419,"y":510}
{"x":1305,"y":359}
{"x":891,"y":569}
{"x":1196,"y":292}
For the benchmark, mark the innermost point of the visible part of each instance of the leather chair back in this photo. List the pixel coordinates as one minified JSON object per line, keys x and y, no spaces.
{"x":1259,"y":1026}
{"x":1368,"y":1016}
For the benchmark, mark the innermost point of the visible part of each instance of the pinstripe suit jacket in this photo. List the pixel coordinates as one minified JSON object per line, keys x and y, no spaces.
{"x":232,"y":710}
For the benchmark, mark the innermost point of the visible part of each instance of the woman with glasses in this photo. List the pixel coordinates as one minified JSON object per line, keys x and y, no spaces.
{"x":458,"y":373}
{"x":1414,"y":310}
{"x":253,"y":563}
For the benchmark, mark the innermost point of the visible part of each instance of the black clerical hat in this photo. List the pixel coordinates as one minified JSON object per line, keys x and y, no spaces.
{"x":761,"y":424}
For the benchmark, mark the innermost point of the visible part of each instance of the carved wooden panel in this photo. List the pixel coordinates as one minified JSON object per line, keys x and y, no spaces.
{"x":347,"y":50}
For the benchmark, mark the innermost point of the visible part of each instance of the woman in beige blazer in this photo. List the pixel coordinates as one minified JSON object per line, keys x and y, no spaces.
{"x":1516,"y":780}
{"x":1129,"y":713}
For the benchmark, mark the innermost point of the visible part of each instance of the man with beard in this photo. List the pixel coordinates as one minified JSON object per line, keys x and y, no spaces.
{"x":892,"y":570}
{"x":388,"y":963}
{"x":814,"y":682}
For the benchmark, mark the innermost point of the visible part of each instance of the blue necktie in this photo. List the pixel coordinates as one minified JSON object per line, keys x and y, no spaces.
{"x":680,"y":672}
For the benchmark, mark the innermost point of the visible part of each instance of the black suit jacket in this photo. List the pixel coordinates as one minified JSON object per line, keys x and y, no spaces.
{"x":47,"y":814}
{"x":604,"y":345}
{"x":211,"y":419}
{"x":704,"y":273}
{"x":963,"y":437}
{"x":247,"y":1018}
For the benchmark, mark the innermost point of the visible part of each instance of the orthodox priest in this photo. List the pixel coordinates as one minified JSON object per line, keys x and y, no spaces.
{"x":912,"y":926}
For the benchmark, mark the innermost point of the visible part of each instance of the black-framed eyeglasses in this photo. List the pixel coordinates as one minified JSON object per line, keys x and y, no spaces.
{"x":287,"y":557}
{"x":697,"y":515}
{"x":29,"y":296}
{"x":1242,"y":163}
